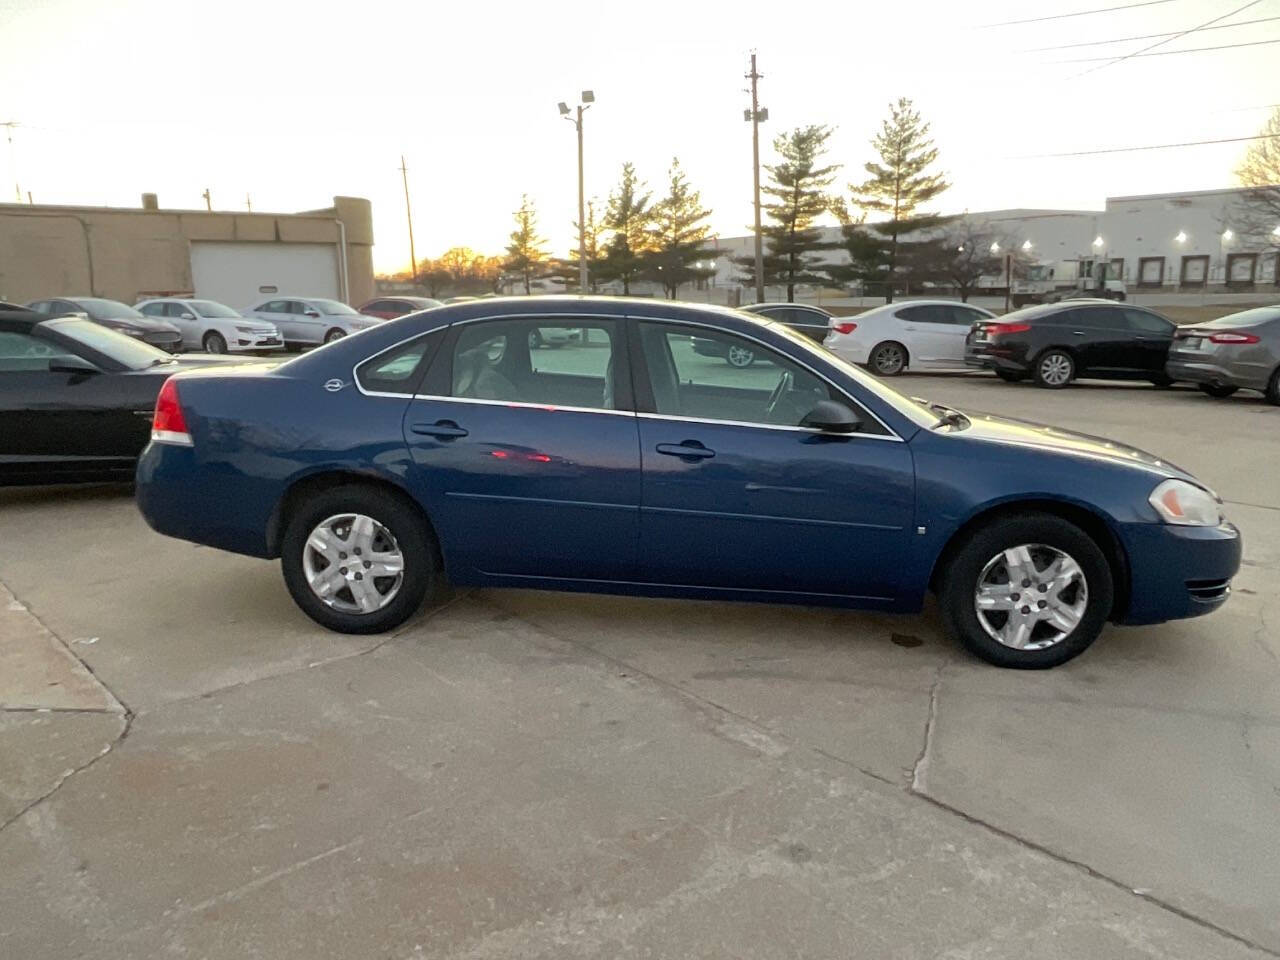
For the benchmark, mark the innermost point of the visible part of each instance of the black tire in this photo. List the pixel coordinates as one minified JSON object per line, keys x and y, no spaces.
{"x":1161,"y":380}
{"x":1122,"y":297}
{"x":1219,"y":390}
{"x":214,"y":342}
{"x":405,"y":523}
{"x":535,"y":339}
{"x":1046,"y":361}
{"x":959,"y":581}
{"x":1272,"y":393}
{"x":888,"y":359}
{"x":1010,"y":377}
{"x":335,"y":334}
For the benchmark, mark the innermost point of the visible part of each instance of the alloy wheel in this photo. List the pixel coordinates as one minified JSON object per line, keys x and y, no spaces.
{"x":740,"y":356}
{"x":1031,"y":596}
{"x":889,"y":360}
{"x":352,"y":563}
{"x":1056,"y":369}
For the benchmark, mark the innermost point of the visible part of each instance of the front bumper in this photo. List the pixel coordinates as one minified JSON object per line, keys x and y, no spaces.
{"x":1178,"y":572}
{"x":172,"y":342}
{"x":252,"y":342}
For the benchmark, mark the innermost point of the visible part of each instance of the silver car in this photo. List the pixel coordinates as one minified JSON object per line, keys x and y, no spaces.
{"x":1240,"y":350}
{"x":213,"y":327}
{"x":308,"y":321}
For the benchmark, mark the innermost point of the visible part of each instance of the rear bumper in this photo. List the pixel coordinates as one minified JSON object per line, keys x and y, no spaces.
{"x":983,"y":358}
{"x":1206,"y":371}
{"x":1178,"y":572}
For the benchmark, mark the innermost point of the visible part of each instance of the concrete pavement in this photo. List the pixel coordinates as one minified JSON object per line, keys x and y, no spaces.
{"x":521,"y":774}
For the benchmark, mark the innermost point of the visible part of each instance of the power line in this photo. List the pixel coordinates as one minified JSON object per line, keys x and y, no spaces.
{"x":1078,"y":13}
{"x":1153,"y":146}
{"x":1160,"y":43}
{"x":1148,"y":36}
{"x":1172,"y":53}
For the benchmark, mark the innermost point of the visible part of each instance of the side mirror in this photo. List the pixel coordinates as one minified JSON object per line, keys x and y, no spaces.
{"x":832,"y":417}
{"x":187,"y":316}
{"x":72,"y":365}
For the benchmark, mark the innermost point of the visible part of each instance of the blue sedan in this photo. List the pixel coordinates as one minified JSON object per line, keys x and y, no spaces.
{"x":441,"y":444}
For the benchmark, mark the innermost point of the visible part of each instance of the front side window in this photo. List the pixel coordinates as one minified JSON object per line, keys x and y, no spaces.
{"x":153,"y":309}
{"x":537,"y":361}
{"x":716,"y":375}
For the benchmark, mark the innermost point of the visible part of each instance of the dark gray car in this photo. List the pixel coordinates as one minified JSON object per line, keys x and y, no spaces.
{"x":115,"y":316}
{"x":813,"y":322}
{"x":1241,"y":350}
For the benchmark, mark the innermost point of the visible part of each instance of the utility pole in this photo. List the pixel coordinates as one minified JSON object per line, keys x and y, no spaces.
{"x":755,"y":115}
{"x":248,"y":204}
{"x":1008,"y":279}
{"x":13,"y":157}
{"x":208,"y":200}
{"x":408,"y":211}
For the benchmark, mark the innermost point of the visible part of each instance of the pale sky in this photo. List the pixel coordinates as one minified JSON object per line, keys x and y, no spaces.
{"x":295,"y":102}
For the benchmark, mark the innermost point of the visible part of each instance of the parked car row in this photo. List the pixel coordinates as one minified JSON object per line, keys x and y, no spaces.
{"x":1058,"y":343}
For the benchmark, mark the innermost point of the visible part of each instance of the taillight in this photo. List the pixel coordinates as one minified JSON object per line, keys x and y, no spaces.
{"x":1001,"y":329}
{"x":844,"y":327}
{"x":169,"y":425}
{"x":1233,"y":337}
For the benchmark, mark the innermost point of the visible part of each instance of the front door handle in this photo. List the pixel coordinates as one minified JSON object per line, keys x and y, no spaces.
{"x":688,"y":450}
{"x":1077,"y":333}
{"x":444,"y":429}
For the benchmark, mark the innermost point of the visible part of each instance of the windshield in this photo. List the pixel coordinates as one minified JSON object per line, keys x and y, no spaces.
{"x":211,"y":308}
{"x":333,"y":308}
{"x":123,"y":349}
{"x":101,"y":309}
{"x":920,"y":416}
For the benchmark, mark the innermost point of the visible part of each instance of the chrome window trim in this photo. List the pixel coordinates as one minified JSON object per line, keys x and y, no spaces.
{"x":892,"y":434}
{"x":525,"y":404}
{"x":892,"y":437}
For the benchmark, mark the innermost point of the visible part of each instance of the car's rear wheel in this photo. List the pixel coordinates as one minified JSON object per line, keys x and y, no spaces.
{"x":214,"y":342}
{"x":1219,"y":390}
{"x":535,"y":339}
{"x":1026,"y":591}
{"x":1055,"y":369}
{"x":357,"y":559}
{"x":1161,"y":380}
{"x":1009,"y":377}
{"x":334,"y":334}
{"x":740,"y":356}
{"x":888,"y":359}
{"x":1272,"y":393}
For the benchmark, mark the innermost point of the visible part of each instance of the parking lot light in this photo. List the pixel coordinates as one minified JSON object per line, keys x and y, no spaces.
{"x":995,"y":247}
{"x":1026,"y":244}
{"x":1181,"y":237}
{"x":1227,"y":234}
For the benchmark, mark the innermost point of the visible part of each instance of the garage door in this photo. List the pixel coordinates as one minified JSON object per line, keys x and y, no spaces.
{"x":241,"y":274}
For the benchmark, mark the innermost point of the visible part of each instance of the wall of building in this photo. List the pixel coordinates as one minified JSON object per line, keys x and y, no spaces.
{"x":125,"y":254}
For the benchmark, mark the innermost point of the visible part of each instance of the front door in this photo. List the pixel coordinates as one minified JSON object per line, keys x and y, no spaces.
{"x":930,"y":334}
{"x":737,"y":496}
{"x":527,"y":458}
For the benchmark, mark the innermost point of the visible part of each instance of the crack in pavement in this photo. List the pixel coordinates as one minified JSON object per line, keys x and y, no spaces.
{"x":921,"y":766}
{"x":911,"y":790}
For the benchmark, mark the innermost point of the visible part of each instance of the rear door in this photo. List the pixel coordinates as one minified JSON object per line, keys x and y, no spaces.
{"x":277,"y":312}
{"x":737,"y":496}
{"x":307,"y":321}
{"x":528,"y":461}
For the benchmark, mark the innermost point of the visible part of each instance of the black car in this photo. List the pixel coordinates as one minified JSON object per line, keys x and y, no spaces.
{"x":1056,"y":343}
{"x":116,"y":316}
{"x":76,"y":399}
{"x":813,"y":322}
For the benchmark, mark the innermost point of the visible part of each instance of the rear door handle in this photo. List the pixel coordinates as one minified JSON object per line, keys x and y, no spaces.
{"x":689,"y":450}
{"x":1077,"y":333}
{"x":444,"y":429}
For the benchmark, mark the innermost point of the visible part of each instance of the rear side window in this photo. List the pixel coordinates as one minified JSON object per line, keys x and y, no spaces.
{"x":398,"y":369}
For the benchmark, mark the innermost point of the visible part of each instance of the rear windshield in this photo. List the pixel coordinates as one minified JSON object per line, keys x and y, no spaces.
{"x":1245,"y":318}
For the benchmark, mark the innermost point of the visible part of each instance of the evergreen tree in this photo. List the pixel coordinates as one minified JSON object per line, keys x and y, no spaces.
{"x":627,"y":217}
{"x":868,"y":253}
{"x":899,"y":184}
{"x":678,"y":237}
{"x":524,"y":252}
{"x":798,"y":187}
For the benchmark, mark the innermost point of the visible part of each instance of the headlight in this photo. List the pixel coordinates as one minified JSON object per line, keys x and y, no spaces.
{"x":1186,"y":504}
{"x":247,"y":330}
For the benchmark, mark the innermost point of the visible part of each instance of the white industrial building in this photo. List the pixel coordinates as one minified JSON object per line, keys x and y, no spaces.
{"x":1161,"y":242}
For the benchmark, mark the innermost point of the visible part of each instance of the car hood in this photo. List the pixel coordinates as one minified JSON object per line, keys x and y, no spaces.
{"x":140,"y":323}
{"x":991,"y":428}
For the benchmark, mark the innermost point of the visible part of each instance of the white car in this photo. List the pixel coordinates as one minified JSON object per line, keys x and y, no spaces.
{"x":920,"y":334}
{"x":307,"y":321}
{"x":213,"y":327}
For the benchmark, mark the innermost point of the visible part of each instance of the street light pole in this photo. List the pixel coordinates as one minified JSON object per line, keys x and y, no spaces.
{"x":408,"y":210}
{"x":755,"y":118}
{"x":588,"y":98}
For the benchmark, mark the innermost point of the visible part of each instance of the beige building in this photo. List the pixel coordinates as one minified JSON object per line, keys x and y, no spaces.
{"x":236,"y":258}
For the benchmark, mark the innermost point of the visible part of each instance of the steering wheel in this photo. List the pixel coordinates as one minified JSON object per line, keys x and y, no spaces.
{"x":786,"y":383}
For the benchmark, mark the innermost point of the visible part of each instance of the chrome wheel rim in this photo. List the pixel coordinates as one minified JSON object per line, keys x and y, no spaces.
{"x":334,"y":335}
{"x":1055,"y":369}
{"x":1031,"y":596}
{"x":889,"y":360}
{"x":353,"y":564}
{"x":215,"y":345}
{"x":741,"y":356}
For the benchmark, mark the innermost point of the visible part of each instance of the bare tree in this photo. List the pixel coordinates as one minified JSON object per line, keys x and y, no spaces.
{"x":965,"y":254}
{"x":1258,"y":216}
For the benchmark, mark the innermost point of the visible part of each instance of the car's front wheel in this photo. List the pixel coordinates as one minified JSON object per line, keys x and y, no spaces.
{"x":1027,"y":591}
{"x":1219,"y":390}
{"x":214,"y":342}
{"x":740,"y":357}
{"x":1272,"y":393}
{"x":1055,"y":369}
{"x":358,"y":559}
{"x":334,"y":334}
